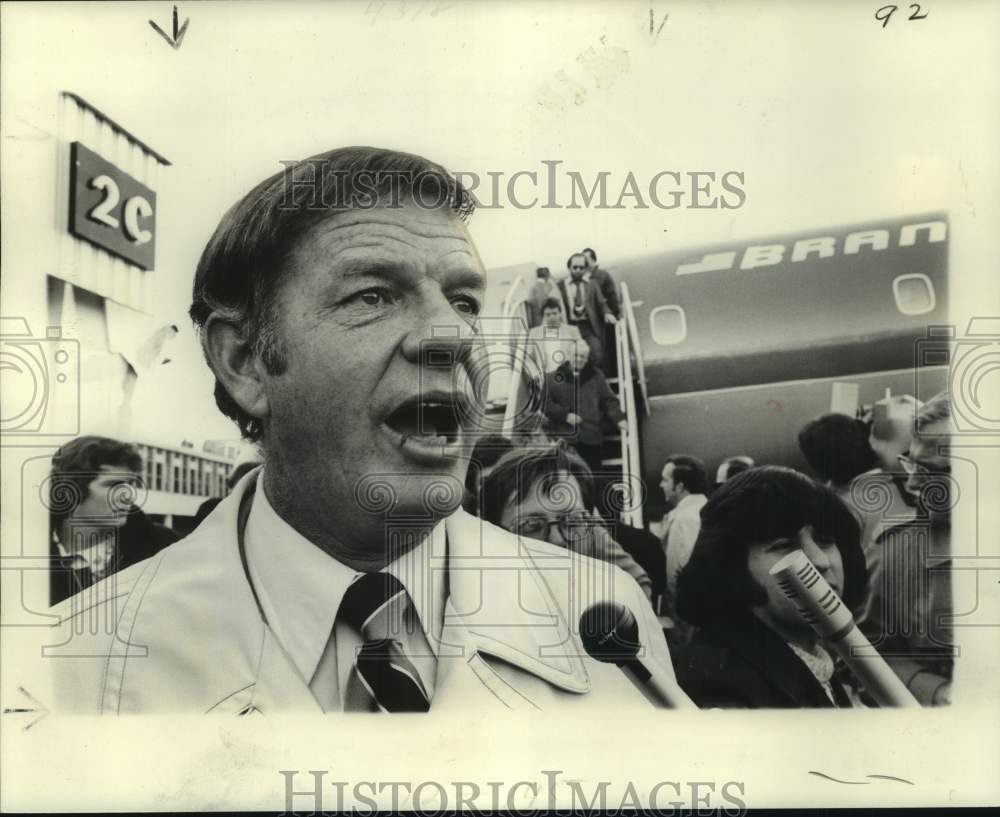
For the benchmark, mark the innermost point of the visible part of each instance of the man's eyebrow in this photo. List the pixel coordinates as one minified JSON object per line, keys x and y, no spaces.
{"x":465,"y":278}
{"x":357,"y":267}
{"x":360,"y":266}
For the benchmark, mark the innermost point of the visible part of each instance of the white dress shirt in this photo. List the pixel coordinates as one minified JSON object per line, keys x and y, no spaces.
{"x":300,"y":588}
{"x":683,"y":524}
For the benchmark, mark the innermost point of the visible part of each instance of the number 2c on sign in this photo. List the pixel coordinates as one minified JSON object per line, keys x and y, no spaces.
{"x":135,"y":208}
{"x":885,"y":13}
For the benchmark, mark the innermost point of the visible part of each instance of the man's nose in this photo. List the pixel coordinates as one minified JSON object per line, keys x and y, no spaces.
{"x":913,"y":483}
{"x":440,"y":338}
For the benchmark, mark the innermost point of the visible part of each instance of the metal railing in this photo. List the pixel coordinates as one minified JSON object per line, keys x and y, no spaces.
{"x":518,"y":352}
{"x":631,"y":476}
{"x":628,"y":314}
{"x":515,"y":310}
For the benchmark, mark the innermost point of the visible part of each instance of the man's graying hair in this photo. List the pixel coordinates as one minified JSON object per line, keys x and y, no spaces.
{"x":243,"y":264}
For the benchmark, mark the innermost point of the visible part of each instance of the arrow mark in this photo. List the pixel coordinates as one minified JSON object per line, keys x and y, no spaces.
{"x":179,"y":31}
{"x":19,"y":710}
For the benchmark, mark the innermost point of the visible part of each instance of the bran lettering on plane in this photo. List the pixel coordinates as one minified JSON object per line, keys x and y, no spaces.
{"x":768,"y":255}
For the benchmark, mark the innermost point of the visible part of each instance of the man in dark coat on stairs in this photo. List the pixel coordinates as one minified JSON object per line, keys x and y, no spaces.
{"x":578,"y":404}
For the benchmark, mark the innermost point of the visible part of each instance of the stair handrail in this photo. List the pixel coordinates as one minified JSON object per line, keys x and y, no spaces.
{"x":628,"y":313}
{"x":518,"y":351}
{"x":630,"y":439}
{"x":508,"y":302}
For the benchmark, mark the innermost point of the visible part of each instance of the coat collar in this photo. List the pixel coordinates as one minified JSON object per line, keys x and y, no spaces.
{"x":500,"y":603}
{"x":503,"y":603}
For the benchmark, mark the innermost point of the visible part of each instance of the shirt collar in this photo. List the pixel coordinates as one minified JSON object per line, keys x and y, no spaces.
{"x":692,"y":502}
{"x":301,"y":586}
{"x":94,"y":558}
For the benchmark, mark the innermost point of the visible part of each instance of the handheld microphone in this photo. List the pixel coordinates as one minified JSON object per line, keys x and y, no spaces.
{"x":823,"y":610}
{"x":610,"y":634}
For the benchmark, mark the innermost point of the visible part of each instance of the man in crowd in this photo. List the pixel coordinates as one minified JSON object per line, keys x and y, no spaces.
{"x":579,"y":405}
{"x":585,"y":307}
{"x":731,"y":466}
{"x":838,"y":449}
{"x":908,"y":615}
{"x":604,"y":281}
{"x":548,"y":493}
{"x":96,"y":528}
{"x":337,"y":305}
{"x":609,"y":289}
{"x":543,"y":290}
{"x":683,"y":483}
{"x":553,"y":343}
{"x":890,"y":433}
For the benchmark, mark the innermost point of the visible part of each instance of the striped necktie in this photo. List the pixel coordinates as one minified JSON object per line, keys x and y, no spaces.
{"x":377,"y":605}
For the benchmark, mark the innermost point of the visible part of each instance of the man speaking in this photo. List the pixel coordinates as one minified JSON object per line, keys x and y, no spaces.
{"x":337,"y":306}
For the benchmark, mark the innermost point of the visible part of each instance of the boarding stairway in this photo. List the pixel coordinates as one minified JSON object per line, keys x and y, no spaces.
{"x":621,"y":451}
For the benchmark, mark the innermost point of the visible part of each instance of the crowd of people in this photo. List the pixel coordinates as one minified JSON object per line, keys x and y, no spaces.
{"x":319,"y":331}
{"x":703,"y":567}
{"x":736,"y":640}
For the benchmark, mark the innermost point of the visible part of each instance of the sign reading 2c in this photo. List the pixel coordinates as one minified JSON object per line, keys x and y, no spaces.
{"x":111,"y":209}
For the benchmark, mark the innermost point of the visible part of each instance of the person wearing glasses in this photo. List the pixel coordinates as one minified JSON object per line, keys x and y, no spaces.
{"x":547,"y":493}
{"x":839,"y":450}
{"x":907,"y":616}
{"x":586,"y":308}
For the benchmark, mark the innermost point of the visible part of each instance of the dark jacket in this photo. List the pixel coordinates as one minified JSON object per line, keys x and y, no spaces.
{"x":609,"y":289}
{"x":587,"y":394}
{"x":138,"y":539}
{"x":747,"y":665}
{"x":647,"y":551}
{"x":594,"y":304}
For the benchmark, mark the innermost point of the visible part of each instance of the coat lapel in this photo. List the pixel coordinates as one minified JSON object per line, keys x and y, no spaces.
{"x":501,"y":606}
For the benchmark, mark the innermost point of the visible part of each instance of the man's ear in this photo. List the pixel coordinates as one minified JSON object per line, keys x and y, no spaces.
{"x":236,"y":366}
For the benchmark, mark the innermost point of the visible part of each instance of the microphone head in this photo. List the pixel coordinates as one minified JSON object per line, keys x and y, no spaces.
{"x":609,"y":632}
{"x":812,"y":595}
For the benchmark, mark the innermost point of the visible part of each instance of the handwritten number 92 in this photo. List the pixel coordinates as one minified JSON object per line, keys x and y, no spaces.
{"x":885,"y":13}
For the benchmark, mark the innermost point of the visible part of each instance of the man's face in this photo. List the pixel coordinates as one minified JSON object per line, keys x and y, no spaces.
{"x":929,"y":470}
{"x":581,"y":354}
{"x":106,"y":496}
{"x":552,"y":317}
{"x":361,"y":396}
{"x":590,"y":262}
{"x":820,"y":549}
{"x":577,"y":267}
{"x":553,"y":516}
{"x":667,"y":484}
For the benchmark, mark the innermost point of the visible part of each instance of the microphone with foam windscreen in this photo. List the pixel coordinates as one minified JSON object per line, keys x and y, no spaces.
{"x":822,"y":608}
{"x":610,"y":634}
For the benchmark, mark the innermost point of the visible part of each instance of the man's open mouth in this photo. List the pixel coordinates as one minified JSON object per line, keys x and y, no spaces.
{"x":430,"y":420}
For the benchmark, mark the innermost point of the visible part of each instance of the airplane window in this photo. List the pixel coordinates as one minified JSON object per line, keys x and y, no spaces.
{"x":668,"y":325}
{"x":914,"y":294}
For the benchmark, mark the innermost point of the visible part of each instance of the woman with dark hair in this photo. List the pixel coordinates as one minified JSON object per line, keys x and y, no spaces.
{"x":752,"y":648}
